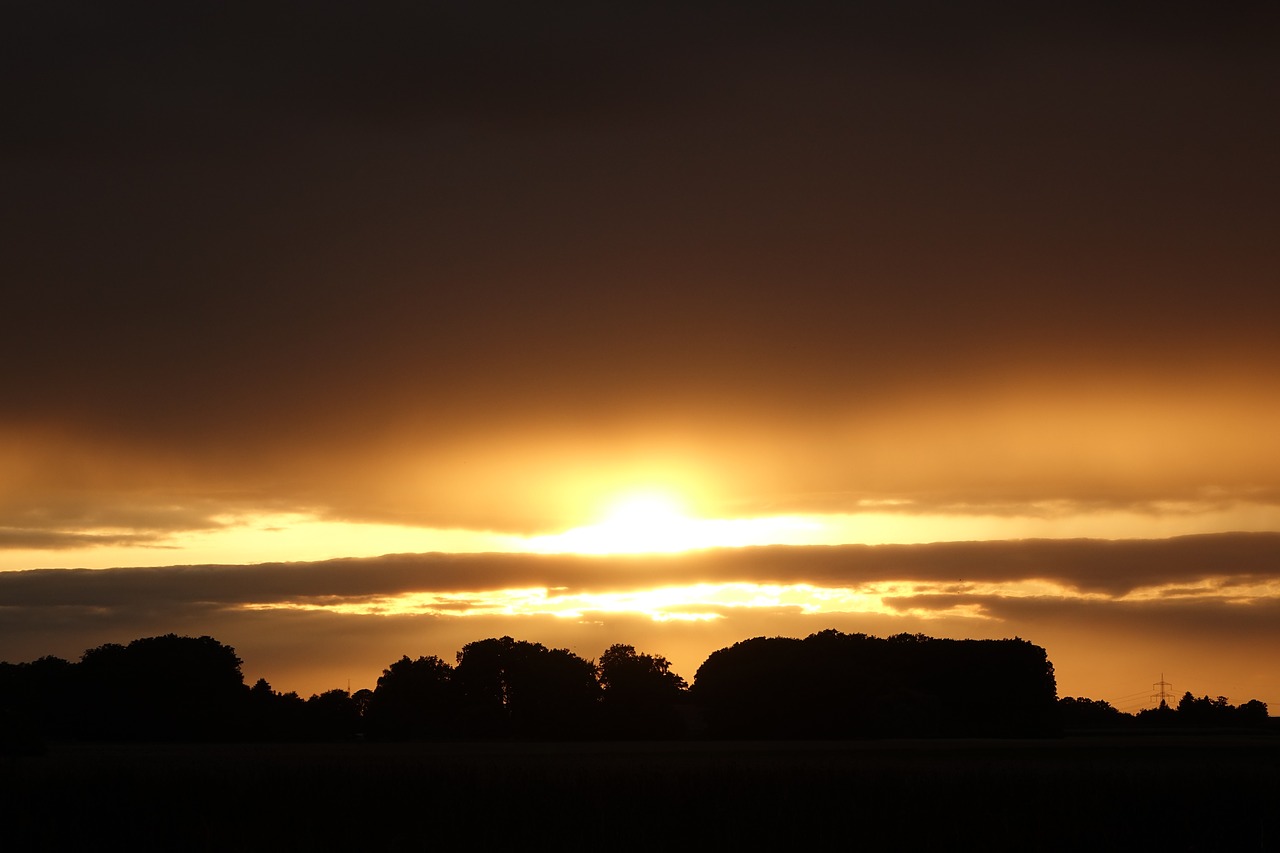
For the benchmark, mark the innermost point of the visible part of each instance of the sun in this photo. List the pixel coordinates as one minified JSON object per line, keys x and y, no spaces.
{"x":634,"y":523}
{"x":656,"y":521}
{"x":645,"y":512}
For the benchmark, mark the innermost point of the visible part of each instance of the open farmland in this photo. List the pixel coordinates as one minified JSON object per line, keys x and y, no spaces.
{"x":1187,"y":793}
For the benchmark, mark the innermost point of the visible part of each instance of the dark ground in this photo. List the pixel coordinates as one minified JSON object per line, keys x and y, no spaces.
{"x":1096,"y":793}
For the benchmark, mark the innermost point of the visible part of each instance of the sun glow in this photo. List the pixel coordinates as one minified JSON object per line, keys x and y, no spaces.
{"x":711,"y":601}
{"x":656,"y":522}
{"x":639,"y":522}
{"x":698,"y":602}
{"x":636,"y":523}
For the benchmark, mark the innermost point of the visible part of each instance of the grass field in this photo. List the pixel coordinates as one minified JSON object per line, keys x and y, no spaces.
{"x":1167,"y":793}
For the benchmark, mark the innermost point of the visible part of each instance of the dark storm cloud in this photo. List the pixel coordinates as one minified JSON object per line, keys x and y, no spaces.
{"x":1113,"y":568}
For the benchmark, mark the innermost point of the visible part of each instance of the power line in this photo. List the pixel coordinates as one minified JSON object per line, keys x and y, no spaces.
{"x":1143,"y":693}
{"x":1133,"y":706}
{"x":1131,"y":702}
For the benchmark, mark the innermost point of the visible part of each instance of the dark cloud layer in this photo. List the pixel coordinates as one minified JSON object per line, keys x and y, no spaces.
{"x":1094,"y":566}
{"x":269,"y":250}
{"x":53,"y":540}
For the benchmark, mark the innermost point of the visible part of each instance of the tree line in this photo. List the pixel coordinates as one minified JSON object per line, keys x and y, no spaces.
{"x":827,"y":685}
{"x":1079,"y":713}
{"x":175,"y":688}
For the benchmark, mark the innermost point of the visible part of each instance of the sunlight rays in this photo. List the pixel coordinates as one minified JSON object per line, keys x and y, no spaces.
{"x":697,"y":602}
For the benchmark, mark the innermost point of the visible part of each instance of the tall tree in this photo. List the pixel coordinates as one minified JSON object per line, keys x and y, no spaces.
{"x":162,"y":688}
{"x":516,"y":688}
{"x":414,"y":699}
{"x":640,"y":694}
{"x":630,"y":677}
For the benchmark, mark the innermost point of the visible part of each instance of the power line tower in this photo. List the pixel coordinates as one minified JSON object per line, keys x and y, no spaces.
{"x":1162,"y":692}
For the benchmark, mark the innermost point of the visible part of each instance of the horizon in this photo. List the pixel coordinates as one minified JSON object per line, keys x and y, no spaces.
{"x":283,"y":617}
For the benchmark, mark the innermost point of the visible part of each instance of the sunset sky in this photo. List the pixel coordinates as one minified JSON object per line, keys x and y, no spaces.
{"x":342,"y":331}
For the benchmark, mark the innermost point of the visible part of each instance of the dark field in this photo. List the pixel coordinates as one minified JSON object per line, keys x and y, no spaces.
{"x":1168,"y":793}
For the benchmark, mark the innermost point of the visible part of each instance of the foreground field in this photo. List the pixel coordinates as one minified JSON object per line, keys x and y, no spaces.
{"x":1210,"y":793}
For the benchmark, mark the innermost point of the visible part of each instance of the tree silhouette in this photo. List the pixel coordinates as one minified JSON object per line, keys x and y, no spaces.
{"x":628,"y":677}
{"x":1161,"y":716}
{"x":740,"y":687}
{"x":1082,"y":713}
{"x":161,"y":688}
{"x":828,"y":685}
{"x":1252,"y":713}
{"x":517,"y":688}
{"x":414,"y":700}
{"x":331,"y":715}
{"x":362,"y":698}
{"x":640,"y":694}
{"x":852,"y":685}
{"x":273,"y":716}
{"x":39,"y":696}
{"x":1219,"y":713}
{"x":38,"y":701}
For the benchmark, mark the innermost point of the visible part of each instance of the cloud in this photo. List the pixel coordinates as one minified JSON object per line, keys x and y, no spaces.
{"x":1113,"y":568}
{"x":1114,"y":649}
{"x":17,"y":537}
{"x":489,"y":461}
{"x":394,"y":265}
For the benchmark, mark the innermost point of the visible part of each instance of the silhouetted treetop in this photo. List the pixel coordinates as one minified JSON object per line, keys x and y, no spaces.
{"x":827,"y":685}
{"x":161,"y":688}
{"x":39,"y":698}
{"x":1081,"y":713}
{"x":514,"y":687}
{"x":640,"y":695}
{"x":851,"y":685}
{"x":1209,"y":713}
{"x":628,"y":677}
{"x":414,"y":699}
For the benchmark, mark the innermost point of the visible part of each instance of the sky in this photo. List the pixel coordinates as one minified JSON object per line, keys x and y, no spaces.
{"x":342,"y":331}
